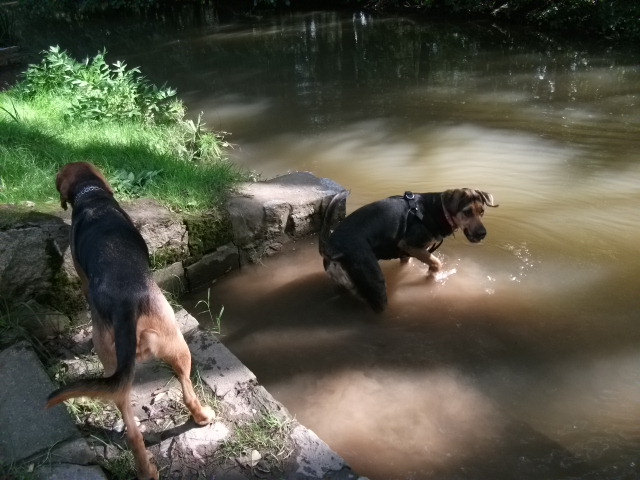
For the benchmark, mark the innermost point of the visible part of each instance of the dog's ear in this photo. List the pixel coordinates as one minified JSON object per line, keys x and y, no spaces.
{"x":63,"y":187}
{"x":487,"y":199}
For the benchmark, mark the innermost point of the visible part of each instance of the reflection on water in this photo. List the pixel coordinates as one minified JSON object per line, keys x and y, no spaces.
{"x":521,"y":360}
{"x":476,"y":376}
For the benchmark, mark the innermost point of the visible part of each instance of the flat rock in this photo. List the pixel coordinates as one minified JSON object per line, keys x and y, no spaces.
{"x":190,"y":451}
{"x":265,"y":215}
{"x":160,"y":228}
{"x":315,"y":459}
{"x":221,"y":370}
{"x":69,"y":472}
{"x":26,"y":426}
{"x":212,"y":265}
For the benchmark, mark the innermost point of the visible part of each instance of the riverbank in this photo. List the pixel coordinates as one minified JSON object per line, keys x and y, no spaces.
{"x":87,"y":440}
{"x":263,"y":217}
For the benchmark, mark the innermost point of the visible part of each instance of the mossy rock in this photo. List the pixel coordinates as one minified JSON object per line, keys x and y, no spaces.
{"x":165,"y":256}
{"x":12,"y":216}
{"x":207,"y":232}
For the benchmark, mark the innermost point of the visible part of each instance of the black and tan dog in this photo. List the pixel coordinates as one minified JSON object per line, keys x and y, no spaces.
{"x":413,"y":225}
{"x":131,"y":317}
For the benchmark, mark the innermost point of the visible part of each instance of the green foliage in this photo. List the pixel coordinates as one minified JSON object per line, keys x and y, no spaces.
{"x":13,"y":113}
{"x":618,"y":19}
{"x":131,"y":184}
{"x":610,"y":18}
{"x":199,"y":144}
{"x":64,"y":111}
{"x":100,"y":91}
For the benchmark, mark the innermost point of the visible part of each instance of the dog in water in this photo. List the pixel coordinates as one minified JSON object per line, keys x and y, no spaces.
{"x":403,"y":226}
{"x":131,"y":318}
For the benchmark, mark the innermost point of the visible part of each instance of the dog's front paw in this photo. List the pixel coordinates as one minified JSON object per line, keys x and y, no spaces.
{"x":205,"y":416}
{"x":435,"y":265}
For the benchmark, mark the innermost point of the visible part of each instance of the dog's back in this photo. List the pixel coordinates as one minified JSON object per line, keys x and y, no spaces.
{"x":113,"y":257}
{"x":108,"y":247}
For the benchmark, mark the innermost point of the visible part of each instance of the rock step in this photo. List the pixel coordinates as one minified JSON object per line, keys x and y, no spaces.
{"x":31,"y":433}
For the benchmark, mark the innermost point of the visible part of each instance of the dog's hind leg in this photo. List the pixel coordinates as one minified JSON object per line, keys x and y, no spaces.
{"x":165,"y":341}
{"x":367,"y":277}
{"x":144,"y":468}
{"x":179,"y":357}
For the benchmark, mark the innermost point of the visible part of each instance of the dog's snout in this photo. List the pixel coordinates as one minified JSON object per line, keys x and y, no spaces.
{"x":476,"y":235}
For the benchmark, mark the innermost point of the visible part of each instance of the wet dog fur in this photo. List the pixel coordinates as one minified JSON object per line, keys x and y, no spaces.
{"x":131,"y":317}
{"x":403,"y":226}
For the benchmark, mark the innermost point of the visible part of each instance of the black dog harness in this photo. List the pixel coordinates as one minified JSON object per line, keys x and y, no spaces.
{"x":410,"y":198}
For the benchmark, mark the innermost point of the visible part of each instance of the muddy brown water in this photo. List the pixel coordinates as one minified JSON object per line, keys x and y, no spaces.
{"x":522,"y":361}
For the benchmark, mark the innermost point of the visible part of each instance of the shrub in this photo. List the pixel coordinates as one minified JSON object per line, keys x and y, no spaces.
{"x":100,"y":91}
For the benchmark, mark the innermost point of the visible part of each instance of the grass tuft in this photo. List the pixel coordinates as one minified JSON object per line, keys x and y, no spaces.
{"x":268,"y":434}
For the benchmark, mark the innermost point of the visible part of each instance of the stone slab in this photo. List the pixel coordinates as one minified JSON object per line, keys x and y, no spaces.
{"x":171,"y":279}
{"x":190,"y":451}
{"x":76,"y":451}
{"x":315,"y":459}
{"x":26,"y":426}
{"x":265,"y":215}
{"x":219,"y":368}
{"x":160,"y":228}
{"x":69,"y":472}
{"x":212,"y":265}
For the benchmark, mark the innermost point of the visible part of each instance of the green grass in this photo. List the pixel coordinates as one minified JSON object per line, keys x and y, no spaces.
{"x":268,"y":434}
{"x":146,"y":148}
{"x":215,"y":321}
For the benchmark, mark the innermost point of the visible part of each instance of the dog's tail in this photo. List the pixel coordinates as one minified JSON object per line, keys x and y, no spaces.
{"x":333,"y":215}
{"x":108,"y":387}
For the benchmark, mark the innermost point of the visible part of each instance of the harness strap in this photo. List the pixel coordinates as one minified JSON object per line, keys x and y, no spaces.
{"x":410,"y":198}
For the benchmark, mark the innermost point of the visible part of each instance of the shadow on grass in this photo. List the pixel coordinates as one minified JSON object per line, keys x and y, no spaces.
{"x":32,"y":158}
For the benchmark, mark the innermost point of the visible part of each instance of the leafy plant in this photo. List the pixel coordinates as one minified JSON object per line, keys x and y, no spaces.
{"x":40,"y":133}
{"x":132,"y":185}
{"x":54,"y":72}
{"x":200,"y":144}
{"x":101,"y":91}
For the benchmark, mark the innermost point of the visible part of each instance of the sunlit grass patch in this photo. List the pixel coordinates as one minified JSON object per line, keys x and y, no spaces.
{"x":264,"y":441}
{"x":142,"y":142}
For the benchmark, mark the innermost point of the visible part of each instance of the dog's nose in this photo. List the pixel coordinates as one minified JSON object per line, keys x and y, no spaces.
{"x":479,"y":234}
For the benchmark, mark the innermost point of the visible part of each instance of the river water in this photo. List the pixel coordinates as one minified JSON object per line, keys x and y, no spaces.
{"x":522,"y":361}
